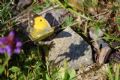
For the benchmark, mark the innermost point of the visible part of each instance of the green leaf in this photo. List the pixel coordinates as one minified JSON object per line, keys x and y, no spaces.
{"x":21,"y":77}
{"x":66,"y":75}
{"x":47,"y":77}
{"x":118,"y":28}
{"x":110,"y":75}
{"x":14,"y":69}
{"x":68,"y":21}
{"x":117,"y":72}
{"x":72,"y":74}
{"x":94,"y":2}
{"x":37,"y":8}
{"x":1,"y":69}
{"x":118,"y":19}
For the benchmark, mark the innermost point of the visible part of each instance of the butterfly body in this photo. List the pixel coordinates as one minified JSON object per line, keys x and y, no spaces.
{"x":39,"y":28}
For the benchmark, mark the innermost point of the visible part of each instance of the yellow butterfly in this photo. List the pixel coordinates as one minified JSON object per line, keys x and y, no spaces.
{"x":39,"y":28}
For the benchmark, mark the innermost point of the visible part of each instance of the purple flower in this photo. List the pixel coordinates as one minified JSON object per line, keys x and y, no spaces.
{"x":10,"y":44}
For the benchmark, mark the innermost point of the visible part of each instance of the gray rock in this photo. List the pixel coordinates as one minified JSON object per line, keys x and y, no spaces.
{"x":56,"y":16}
{"x":71,"y":47}
{"x":104,"y":51}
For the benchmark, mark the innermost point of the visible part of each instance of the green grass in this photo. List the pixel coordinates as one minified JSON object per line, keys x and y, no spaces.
{"x":114,"y":72}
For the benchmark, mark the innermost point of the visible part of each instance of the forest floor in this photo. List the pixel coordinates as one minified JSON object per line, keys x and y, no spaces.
{"x":96,"y":22}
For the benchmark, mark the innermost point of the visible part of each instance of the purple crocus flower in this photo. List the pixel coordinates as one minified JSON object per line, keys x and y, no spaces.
{"x":10,"y":44}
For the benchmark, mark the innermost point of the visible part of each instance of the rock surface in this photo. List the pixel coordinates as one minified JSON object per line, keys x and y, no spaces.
{"x":71,"y":47}
{"x":56,"y":17}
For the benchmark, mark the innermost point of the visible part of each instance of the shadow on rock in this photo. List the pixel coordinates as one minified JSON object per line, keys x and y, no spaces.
{"x":64,"y":34}
{"x":76,"y":51}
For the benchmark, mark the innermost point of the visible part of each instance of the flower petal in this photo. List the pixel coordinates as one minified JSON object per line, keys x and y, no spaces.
{"x":8,"y":50}
{"x":3,"y":40}
{"x":17,"y":50}
{"x":18,"y":44}
{"x":11,"y":35}
{"x":10,"y":44}
{"x":2,"y":50}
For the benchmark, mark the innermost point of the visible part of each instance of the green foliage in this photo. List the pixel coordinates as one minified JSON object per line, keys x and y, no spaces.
{"x":1,"y":69}
{"x":5,"y":12}
{"x":38,"y":7}
{"x":114,"y":72}
{"x":118,"y":19}
{"x":68,"y":21}
{"x":64,"y":73}
{"x":110,"y":37}
{"x":14,"y":69}
{"x":5,"y":15}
